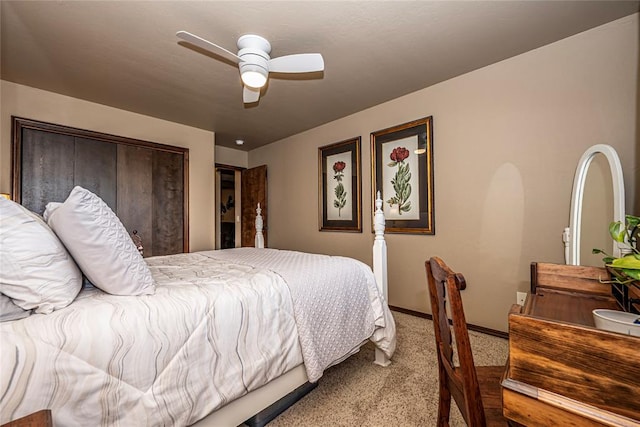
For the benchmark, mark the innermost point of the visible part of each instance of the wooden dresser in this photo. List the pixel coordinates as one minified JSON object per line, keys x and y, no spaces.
{"x":561,"y":369}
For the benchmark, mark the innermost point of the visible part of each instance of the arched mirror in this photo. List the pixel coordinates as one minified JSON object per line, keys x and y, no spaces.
{"x":572,"y":234}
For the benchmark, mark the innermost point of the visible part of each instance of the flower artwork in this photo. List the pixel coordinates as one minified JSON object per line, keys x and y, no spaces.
{"x":341,"y":195}
{"x":401,"y":182}
{"x":402,"y":172}
{"x":340,"y":192}
{"x":339,"y":187}
{"x":400,"y":179}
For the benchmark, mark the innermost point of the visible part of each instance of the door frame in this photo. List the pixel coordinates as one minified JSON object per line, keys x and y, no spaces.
{"x":237,"y":203}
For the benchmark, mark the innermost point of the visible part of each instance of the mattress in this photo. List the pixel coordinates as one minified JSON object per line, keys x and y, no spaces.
{"x":222,"y":323}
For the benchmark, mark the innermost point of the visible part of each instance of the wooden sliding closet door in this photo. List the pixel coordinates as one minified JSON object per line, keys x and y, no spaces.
{"x":37,"y":187}
{"x":95,"y":166}
{"x":167,"y":197}
{"x":56,"y":163}
{"x":135,"y":187}
{"x":144,"y":183}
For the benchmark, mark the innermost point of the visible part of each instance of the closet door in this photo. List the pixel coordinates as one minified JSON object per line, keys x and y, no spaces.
{"x":168,"y":203}
{"x":45,"y":155}
{"x":95,"y":169}
{"x":144,"y":183}
{"x":135,"y":192}
{"x":54,"y":163}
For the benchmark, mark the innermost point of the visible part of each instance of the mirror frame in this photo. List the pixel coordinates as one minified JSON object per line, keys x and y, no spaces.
{"x":571,"y":235}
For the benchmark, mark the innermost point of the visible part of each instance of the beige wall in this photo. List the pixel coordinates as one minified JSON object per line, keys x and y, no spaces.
{"x":24,"y":101}
{"x":232,"y":157}
{"x":507,"y":139}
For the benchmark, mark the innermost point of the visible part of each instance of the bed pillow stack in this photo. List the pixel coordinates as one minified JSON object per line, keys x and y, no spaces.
{"x":38,"y":260}
{"x":100,"y":244}
{"x":37,"y":273}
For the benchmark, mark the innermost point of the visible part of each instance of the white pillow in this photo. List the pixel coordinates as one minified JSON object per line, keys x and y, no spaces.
{"x":36,"y":271}
{"x":100,"y":244}
{"x":10,"y":311}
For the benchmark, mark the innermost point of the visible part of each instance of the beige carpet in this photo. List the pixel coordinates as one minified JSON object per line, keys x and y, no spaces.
{"x":359,"y":393}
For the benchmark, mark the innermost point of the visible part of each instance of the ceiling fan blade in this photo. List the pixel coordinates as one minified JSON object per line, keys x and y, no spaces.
{"x":250,"y":95}
{"x":299,"y":63}
{"x":207,"y":45}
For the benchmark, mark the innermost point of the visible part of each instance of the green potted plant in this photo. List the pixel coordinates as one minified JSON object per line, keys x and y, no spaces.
{"x":625,"y":270}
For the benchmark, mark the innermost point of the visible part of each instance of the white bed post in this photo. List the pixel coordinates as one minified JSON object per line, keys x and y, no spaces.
{"x":259,"y":241}
{"x":380,"y":266}
{"x":380,"y":249}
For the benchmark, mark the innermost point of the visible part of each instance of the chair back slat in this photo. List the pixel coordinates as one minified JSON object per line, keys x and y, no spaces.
{"x":459,"y":382}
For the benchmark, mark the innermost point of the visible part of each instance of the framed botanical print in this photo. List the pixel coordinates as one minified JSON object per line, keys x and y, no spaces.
{"x":340,"y":190}
{"x":402,"y":170}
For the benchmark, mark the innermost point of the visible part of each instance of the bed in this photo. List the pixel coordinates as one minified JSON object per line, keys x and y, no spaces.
{"x":207,"y":338}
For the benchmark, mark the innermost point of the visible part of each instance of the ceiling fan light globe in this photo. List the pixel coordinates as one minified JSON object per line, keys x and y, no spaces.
{"x":254,"y":78}
{"x":254,"y":73}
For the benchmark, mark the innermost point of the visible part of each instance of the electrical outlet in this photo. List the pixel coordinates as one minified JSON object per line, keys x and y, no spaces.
{"x":521,"y":297}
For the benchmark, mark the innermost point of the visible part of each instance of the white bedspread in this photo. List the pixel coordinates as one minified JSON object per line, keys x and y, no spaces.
{"x":336,"y":302}
{"x":221,"y":324}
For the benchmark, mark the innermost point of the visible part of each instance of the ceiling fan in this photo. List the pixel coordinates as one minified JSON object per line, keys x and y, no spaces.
{"x":255,"y":63}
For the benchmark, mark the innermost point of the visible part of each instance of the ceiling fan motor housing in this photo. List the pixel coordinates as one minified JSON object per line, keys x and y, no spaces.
{"x":254,"y":57}
{"x":254,"y":42}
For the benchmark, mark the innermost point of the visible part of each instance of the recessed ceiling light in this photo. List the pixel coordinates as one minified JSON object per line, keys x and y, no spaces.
{"x":239,"y":141}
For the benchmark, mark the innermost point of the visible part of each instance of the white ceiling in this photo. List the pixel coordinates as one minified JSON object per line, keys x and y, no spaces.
{"x":125,"y":53}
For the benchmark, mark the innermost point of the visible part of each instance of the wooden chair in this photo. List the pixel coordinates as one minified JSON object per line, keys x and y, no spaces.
{"x":475,"y":389}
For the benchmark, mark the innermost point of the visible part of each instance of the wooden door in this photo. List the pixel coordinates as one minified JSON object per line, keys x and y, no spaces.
{"x":144,"y":183}
{"x":254,"y":191}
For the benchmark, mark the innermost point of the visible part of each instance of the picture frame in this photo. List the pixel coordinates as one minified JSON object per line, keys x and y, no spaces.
{"x":340,"y":186}
{"x":397,"y":153}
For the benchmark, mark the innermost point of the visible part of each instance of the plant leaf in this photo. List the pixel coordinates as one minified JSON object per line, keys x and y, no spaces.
{"x":630,"y":262}
{"x":635,"y":274}
{"x":617,"y":231}
{"x":632,"y":221}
